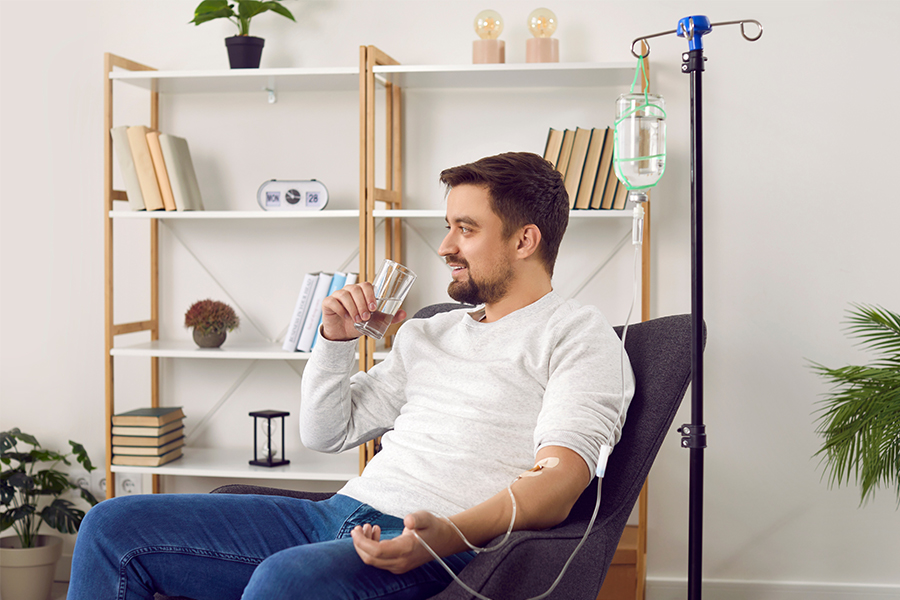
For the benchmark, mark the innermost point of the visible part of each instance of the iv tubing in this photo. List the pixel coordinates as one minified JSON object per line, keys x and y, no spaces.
{"x":638,"y":242}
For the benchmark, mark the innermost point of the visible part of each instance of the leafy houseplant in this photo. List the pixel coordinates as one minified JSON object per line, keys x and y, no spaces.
{"x":23,"y":485}
{"x":244,"y":50}
{"x":211,"y":321}
{"x":860,"y":417}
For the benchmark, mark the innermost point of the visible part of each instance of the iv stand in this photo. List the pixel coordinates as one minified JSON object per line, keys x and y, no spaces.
{"x":693,"y":435}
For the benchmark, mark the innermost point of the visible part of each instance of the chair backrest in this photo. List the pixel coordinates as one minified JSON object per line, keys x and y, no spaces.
{"x":527,"y":565}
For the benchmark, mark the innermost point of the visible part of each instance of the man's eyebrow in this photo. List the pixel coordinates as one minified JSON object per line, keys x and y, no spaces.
{"x":463,"y":220}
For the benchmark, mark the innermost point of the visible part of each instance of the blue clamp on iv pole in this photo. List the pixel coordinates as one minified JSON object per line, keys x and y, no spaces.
{"x":694,"y":435}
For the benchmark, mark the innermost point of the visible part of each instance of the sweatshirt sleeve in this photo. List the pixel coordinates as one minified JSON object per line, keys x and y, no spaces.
{"x":341,"y":408}
{"x":585,"y":401}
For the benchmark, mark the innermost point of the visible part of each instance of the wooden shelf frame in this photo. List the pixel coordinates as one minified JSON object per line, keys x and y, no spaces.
{"x":375,"y":69}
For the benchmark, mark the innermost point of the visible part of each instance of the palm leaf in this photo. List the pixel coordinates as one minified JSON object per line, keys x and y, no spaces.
{"x":859,"y":418}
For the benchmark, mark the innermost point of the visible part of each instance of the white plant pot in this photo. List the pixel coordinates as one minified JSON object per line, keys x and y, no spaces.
{"x":27,"y":573}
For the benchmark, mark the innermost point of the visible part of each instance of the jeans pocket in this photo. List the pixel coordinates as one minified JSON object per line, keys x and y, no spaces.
{"x":390,"y":526}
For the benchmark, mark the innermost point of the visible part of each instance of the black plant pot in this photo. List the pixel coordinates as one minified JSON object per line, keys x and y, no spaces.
{"x":244,"y":51}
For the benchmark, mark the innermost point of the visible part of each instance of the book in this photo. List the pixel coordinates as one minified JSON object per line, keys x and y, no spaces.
{"x":149,"y":417}
{"x":553,"y":145}
{"x":299,"y":314}
{"x":580,"y":142}
{"x":127,"y":168}
{"x":621,"y":199}
{"x":143,"y":166}
{"x":156,"y":440}
{"x":609,"y":194}
{"x":180,"y":167}
{"x":148,"y":450}
{"x":159,"y":167}
{"x":146,"y":461}
{"x":337,"y":282}
{"x":603,"y":171}
{"x":151,"y":432}
{"x":311,"y":322}
{"x":591,"y":164}
{"x":351,"y":279}
{"x":565,"y":151}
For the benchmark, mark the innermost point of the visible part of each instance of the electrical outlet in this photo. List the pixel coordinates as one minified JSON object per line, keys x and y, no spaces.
{"x":98,"y":484}
{"x":128,"y":484}
{"x":81,"y":478}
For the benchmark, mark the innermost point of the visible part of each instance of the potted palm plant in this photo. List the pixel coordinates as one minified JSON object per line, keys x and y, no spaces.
{"x":30,"y":490}
{"x":859,"y":418}
{"x":244,"y":50}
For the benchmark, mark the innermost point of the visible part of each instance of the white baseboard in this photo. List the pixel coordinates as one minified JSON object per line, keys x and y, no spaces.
{"x":676,"y":589}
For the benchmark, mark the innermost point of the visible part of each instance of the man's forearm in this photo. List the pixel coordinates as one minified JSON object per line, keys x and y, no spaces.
{"x":542,"y":501}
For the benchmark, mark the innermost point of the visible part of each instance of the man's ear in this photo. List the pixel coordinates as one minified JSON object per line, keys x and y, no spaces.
{"x":529,"y":239}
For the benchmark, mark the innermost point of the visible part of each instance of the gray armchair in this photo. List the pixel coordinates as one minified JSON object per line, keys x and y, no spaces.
{"x":526,"y":566}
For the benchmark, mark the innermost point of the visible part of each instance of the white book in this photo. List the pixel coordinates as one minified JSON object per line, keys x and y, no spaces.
{"x":351,"y":279}
{"x":299,"y":314}
{"x":311,"y":323}
{"x":126,"y":166}
{"x":182,"y":176}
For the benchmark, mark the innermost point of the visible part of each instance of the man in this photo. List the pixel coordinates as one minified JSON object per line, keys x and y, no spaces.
{"x":466,"y":402}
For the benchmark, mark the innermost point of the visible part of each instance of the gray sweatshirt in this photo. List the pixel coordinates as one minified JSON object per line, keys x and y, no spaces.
{"x":463,"y":406}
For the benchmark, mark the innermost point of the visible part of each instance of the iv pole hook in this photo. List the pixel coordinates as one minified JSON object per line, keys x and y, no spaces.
{"x":689,"y":35}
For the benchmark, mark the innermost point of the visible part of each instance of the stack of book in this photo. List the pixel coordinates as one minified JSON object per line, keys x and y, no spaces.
{"x":307,"y":316}
{"x":157,"y":169}
{"x":585,"y":159}
{"x":147,"y":437}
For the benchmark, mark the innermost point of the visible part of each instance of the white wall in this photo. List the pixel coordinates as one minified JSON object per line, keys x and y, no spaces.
{"x":799,"y":140}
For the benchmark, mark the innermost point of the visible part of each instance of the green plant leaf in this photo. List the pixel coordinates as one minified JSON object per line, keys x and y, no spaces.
{"x":859,"y":418}
{"x":7,"y":441}
{"x":51,"y":482}
{"x":82,"y":456}
{"x":210,"y":6}
{"x":10,"y":517}
{"x":281,"y":10}
{"x":24,"y":437}
{"x":87,"y":496}
{"x":22,"y":481}
{"x":63,"y":516}
{"x":41,"y":455}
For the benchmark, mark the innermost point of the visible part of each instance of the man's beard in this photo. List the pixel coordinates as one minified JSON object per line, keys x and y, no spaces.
{"x":487,"y":291}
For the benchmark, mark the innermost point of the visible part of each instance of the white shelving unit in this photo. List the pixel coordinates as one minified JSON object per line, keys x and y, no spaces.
{"x":198,"y":462}
{"x":233,"y":463}
{"x":201,"y":215}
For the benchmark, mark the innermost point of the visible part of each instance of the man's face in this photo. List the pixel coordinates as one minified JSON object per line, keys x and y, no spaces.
{"x":475,"y":249}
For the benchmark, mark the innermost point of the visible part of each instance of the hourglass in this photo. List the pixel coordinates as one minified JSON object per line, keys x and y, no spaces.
{"x":269,"y":429}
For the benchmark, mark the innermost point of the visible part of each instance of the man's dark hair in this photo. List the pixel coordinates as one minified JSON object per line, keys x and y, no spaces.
{"x":524,"y":189}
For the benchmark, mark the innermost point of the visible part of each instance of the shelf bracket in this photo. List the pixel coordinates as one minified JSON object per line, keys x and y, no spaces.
{"x":272,"y":97}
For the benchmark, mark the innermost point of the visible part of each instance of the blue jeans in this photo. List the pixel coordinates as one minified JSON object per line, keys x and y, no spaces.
{"x":221,"y":546}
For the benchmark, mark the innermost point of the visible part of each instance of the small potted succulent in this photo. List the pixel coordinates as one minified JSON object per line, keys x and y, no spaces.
{"x":211,"y":320}
{"x":244,"y":50}
{"x":30,"y":495}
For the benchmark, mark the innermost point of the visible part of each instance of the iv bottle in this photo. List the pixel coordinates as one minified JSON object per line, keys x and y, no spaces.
{"x":640,"y":142}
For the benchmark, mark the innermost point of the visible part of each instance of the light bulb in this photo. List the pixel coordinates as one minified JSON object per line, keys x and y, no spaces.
{"x":542,"y":22}
{"x":488,"y":24}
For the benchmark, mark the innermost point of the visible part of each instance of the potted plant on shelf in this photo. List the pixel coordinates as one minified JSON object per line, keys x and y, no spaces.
{"x":211,"y":320}
{"x":860,"y":417}
{"x":31,"y":497}
{"x":244,"y":50}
